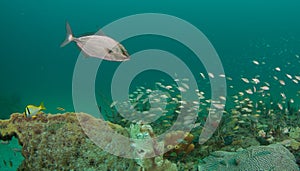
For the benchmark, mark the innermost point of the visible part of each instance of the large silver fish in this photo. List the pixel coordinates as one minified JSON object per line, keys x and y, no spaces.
{"x":98,"y":46}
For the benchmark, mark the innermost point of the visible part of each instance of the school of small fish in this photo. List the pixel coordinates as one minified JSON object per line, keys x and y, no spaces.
{"x":248,"y":104}
{"x":147,"y":106}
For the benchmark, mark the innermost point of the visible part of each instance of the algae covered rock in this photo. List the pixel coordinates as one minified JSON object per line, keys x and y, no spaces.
{"x":295,"y":133}
{"x":272,"y":157}
{"x":148,"y":150}
{"x":291,"y":143}
{"x":57,"y":142}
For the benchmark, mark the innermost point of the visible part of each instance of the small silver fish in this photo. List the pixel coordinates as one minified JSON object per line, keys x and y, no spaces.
{"x":98,"y":46}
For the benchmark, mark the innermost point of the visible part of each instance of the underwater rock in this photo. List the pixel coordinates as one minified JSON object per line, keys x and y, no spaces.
{"x":291,"y":143}
{"x":145,"y":132}
{"x":143,"y":152}
{"x":58,"y":142}
{"x":295,"y":133}
{"x":271,"y":157}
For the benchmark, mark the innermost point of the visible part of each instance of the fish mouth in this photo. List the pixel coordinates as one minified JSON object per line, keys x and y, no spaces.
{"x":124,"y":58}
{"x":127,"y":58}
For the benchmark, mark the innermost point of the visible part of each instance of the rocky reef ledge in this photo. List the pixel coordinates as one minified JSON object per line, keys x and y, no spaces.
{"x":57,"y":142}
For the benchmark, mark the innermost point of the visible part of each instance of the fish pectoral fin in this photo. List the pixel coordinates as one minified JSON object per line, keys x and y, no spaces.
{"x":40,"y":113}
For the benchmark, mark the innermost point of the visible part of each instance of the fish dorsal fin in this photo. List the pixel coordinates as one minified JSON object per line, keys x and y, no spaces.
{"x":100,"y":33}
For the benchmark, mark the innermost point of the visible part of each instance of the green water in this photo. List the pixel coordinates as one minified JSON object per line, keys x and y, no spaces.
{"x":33,"y":68}
{"x":11,"y":156}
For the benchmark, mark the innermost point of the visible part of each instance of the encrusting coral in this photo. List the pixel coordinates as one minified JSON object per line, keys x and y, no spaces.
{"x":58,"y":142}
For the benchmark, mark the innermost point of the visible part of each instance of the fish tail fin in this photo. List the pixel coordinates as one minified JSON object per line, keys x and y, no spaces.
{"x":69,"y":36}
{"x":42,"y":107}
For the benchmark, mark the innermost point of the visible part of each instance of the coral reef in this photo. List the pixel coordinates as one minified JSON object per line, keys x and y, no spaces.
{"x":57,"y":142}
{"x":292,"y":142}
{"x":144,"y":132}
{"x":177,"y":147}
{"x":272,"y":157}
{"x":295,"y":133}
